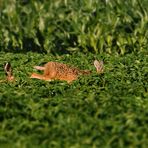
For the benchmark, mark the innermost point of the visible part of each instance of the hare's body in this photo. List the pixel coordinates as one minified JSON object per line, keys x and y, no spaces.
{"x":59,"y":71}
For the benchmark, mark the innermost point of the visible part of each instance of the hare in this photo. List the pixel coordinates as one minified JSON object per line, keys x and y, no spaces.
{"x":8,"y":72}
{"x":60,"y":71}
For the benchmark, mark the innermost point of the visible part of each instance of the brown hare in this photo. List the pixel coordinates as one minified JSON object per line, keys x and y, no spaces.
{"x":8,"y":72}
{"x":59,"y":71}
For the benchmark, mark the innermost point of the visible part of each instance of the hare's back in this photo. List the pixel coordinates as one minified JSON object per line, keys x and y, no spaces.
{"x":61,"y":71}
{"x":59,"y":67}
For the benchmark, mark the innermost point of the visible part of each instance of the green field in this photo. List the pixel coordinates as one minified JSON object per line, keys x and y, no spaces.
{"x":108,"y":110}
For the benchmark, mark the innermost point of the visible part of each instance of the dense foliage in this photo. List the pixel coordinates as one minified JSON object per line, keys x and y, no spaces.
{"x":56,"y":25}
{"x":107,"y":110}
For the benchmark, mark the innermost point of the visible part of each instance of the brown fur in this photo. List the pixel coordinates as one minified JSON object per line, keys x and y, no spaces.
{"x":59,"y":71}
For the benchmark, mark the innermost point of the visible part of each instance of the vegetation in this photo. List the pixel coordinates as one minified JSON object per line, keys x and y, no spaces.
{"x":106,"y":110}
{"x":98,"y":26}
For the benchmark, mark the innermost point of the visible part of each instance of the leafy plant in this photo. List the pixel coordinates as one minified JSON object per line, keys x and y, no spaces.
{"x":107,"y":110}
{"x":59,"y":26}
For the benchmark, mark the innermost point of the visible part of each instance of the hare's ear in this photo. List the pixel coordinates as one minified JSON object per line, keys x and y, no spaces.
{"x":8,"y":69}
{"x":99,"y":66}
